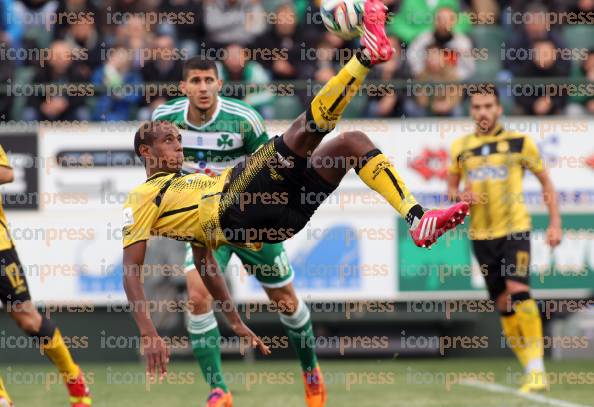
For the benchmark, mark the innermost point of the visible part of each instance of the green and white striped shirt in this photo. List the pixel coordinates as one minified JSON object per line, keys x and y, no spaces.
{"x":235,"y":130}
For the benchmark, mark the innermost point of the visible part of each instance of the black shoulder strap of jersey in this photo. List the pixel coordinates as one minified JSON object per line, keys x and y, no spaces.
{"x":164,"y":188}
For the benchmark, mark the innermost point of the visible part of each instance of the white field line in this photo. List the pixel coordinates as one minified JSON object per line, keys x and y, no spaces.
{"x":498,"y":388}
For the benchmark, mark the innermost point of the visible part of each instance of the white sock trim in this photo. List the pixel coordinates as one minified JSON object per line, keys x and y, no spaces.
{"x":198,"y":324}
{"x":299,"y":318}
{"x":535,"y":365}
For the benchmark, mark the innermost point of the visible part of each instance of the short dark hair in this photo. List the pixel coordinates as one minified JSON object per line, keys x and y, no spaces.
{"x":484,"y":89}
{"x":146,"y":134}
{"x":200,"y":63}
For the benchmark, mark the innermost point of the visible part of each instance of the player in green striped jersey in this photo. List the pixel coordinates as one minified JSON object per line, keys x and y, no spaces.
{"x":218,"y":132}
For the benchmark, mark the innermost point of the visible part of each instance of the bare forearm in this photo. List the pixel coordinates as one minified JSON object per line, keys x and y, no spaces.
{"x":140,"y":310}
{"x":215,"y":283}
{"x":453,"y":187}
{"x":549,"y":196}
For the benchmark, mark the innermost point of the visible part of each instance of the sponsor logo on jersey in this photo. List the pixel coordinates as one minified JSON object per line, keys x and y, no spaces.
{"x":128,"y":219}
{"x":489,"y":172}
{"x":224,"y":141}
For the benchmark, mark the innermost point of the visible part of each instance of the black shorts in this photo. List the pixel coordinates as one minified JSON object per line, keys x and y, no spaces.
{"x":13,"y":283}
{"x":504,"y":258}
{"x":270,"y":196}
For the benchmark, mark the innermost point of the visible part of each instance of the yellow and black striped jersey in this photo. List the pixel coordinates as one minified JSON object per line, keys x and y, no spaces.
{"x":494,"y":165}
{"x":175,"y":205}
{"x":5,"y":239}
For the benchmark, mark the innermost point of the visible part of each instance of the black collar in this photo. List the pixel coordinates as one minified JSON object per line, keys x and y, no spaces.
{"x":160,"y":174}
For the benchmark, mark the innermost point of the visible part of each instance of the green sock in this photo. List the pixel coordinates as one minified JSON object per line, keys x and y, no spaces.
{"x":300,"y":333}
{"x":205,"y":339}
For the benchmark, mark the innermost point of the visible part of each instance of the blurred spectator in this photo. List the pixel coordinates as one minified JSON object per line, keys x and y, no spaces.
{"x":115,"y":13}
{"x":166,"y":63}
{"x":83,"y":35}
{"x":6,"y":73}
{"x":544,"y":64}
{"x":136,"y":37}
{"x":283,"y":45}
{"x":189,"y":27}
{"x":73,"y":10}
{"x":442,"y":100}
{"x":582,"y":6}
{"x":10,"y":27}
{"x":121,"y":84}
{"x":236,"y":68}
{"x":456,"y":47}
{"x":486,"y":11}
{"x":326,"y":64}
{"x":584,"y":103}
{"x":416,"y":17}
{"x":535,"y":28}
{"x":233,"y":21}
{"x":391,"y":104}
{"x":307,"y":11}
{"x":135,"y":6}
{"x":56,"y":103}
{"x":165,"y":66}
{"x":34,"y":16}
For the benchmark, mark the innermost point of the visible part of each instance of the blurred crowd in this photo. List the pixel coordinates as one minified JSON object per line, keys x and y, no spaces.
{"x":119,"y":59}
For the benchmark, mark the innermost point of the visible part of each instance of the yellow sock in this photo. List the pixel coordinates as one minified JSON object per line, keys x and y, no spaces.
{"x":381,"y":176}
{"x":330,"y":102}
{"x":57,"y":351}
{"x":530,"y":327}
{"x":3,"y":392}
{"x":512,"y":333}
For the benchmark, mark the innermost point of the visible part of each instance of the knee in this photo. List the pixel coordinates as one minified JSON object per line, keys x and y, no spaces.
{"x":29,"y":322}
{"x":355,"y":143}
{"x":286,"y":303}
{"x":199,"y":302}
{"x":354,"y":137}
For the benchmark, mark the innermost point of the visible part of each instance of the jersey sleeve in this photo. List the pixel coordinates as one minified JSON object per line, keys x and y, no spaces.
{"x":454,"y":167}
{"x":169,"y":111}
{"x":4,"y":162}
{"x":156,"y":113}
{"x":531,"y":158}
{"x":256,"y":134}
{"x":140,"y":214}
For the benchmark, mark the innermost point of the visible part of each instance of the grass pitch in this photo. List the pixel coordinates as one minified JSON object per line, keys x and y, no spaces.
{"x":360,"y":383}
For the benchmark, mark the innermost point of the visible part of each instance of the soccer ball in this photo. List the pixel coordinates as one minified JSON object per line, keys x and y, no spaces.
{"x":343,"y":17}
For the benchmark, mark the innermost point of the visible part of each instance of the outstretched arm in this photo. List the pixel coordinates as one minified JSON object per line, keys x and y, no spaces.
{"x":6,"y":175}
{"x":215,"y":283}
{"x":454,"y":193}
{"x":153,"y":346}
{"x":453,"y":187}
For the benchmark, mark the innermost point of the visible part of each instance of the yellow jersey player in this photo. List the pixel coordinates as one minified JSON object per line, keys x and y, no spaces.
{"x":491,"y":163}
{"x":15,"y":296}
{"x":267,"y":197}
{"x":217,"y":133}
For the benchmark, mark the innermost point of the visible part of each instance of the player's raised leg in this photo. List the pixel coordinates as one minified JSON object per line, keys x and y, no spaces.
{"x":5,"y":400}
{"x":205,"y":338}
{"x":355,"y":150}
{"x":326,"y":108}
